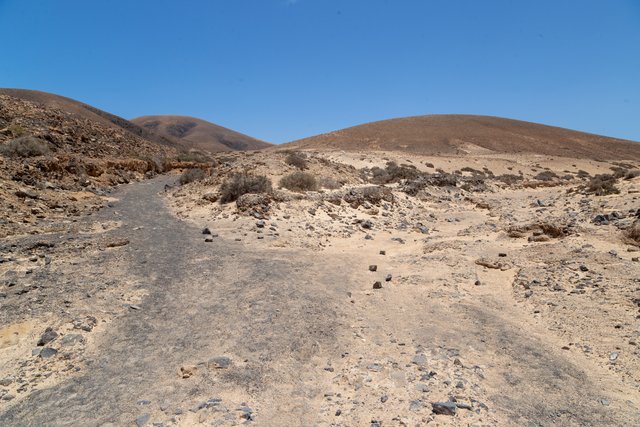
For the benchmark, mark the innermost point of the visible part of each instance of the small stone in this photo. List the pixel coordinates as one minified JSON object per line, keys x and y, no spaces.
{"x":383,"y":252}
{"x":134,"y":307}
{"x":604,"y":402}
{"x":419,"y":359}
{"x":142,"y":420}
{"x":388,"y":278}
{"x":6,"y":381}
{"x":373,"y":268}
{"x":71,"y":340}
{"x":444,"y":408}
{"x":416,"y":405}
{"x":48,"y":352}
{"x":477,"y":283}
{"x":338,"y":413}
{"x":219,"y":362}
{"x":502,"y":255}
{"x":260,"y":224}
{"x":206,"y":231}
{"x":422,"y":387}
{"x":528,"y":294}
{"x":584,"y":268}
{"x":48,"y":336}
{"x":384,"y":398}
{"x":143,"y":402}
{"x":377,"y":285}
{"x":208,"y":239}
{"x":613,"y":356}
{"x":375,"y":367}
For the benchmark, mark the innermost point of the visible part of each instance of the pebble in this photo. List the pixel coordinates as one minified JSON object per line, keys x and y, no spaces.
{"x":377,"y":285}
{"x":416,"y":405}
{"x":206,"y":231}
{"x":48,"y":352}
{"x":48,"y":336}
{"x":384,"y":398}
{"x":142,"y":420}
{"x":388,"y":278}
{"x":373,"y":268}
{"x":444,"y":408}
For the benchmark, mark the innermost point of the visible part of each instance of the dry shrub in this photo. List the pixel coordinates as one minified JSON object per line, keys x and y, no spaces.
{"x":632,"y":234}
{"x":328,"y":183}
{"x":546,"y":176}
{"x":193,"y":157}
{"x":25,"y":146}
{"x":632,"y":174}
{"x":299,"y":181}
{"x":241,"y":183}
{"x":393,"y":173}
{"x":510,"y":179}
{"x":296,"y":159}
{"x":602,"y":185}
{"x":191,"y":175}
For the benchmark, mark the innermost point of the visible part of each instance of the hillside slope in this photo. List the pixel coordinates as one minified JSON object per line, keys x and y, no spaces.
{"x":199,"y":134}
{"x":468,"y":134}
{"x":84,"y":111}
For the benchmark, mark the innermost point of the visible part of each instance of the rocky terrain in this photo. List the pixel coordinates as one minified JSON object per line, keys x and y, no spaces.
{"x":316,"y":287}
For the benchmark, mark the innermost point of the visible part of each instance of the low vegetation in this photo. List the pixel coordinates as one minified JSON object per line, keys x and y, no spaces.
{"x":25,"y":146}
{"x":632,"y":234}
{"x":296,"y":159}
{"x":329,"y":183}
{"x":299,"y":181}
{"x":393,"y":173}
{"x":242,"y":183}
{"x":602,"y":185}
{"x":191,"y":175}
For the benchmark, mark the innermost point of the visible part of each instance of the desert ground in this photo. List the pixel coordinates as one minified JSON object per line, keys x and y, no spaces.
{"x":397,"y":289}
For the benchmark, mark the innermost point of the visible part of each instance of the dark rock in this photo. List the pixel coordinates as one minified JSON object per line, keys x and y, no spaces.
{"x":444,"y":408}
{"x":388,"y":278}
{"x":48,"y":336}
{"x":384,"y":398}
{"x":260,"y":224}
{"x":373,"y":268}
{"x":377,"y":285}
{"x":206,"y":231}
{"x":142,"y":420}
{"x":383,"y":252}
{"x":584,"y":268}
{"x":71,"y":340}
{"x":367,"y":225}
{"x":502,"y":254}
{"x":219,"y":362}
{"x":478,"y":283}
{"x":48,"y":352}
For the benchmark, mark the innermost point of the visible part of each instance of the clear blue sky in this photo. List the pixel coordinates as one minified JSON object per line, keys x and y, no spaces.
{"x":282,"y":69}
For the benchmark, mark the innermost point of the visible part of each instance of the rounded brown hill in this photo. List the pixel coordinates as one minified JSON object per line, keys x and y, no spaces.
{"x":84,"y":111}
{"x":199,"y":134}
{"x":468,"y":134}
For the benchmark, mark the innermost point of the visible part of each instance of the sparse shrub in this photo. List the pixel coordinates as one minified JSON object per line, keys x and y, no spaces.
{"x":509,"y":179}
{"x":546,"y":176}
{"x":296,"y":159}
{"x":379,"y":175}
{"x":632,"y":234}
{"x":25,"y":146}
{"x":17,"y":130}
{"x":632,"y":174}
{"x":194,"y":157}
{"x":299,"y":181}
{"x":602,"y":185}
{"x":328,"y":183}
{"x":401,"y":172}
{"x":241,"y":183}
{"x":583,"y":174}
{"x":191,"y":175}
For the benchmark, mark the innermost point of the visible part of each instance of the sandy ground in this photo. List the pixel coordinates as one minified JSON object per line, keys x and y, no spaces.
{"x":483,"y":316}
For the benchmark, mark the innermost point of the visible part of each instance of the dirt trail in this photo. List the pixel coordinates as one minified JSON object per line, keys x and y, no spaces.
{"x":301,"y":352}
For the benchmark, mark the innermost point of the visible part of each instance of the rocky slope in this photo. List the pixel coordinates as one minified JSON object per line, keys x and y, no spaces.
{"x":55,"y":164}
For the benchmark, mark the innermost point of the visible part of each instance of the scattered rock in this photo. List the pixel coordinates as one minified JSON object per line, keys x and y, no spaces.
{"x":47,"y":352}
{"x":48,"y":336}
{"x":377,"y":285}
{"x":142,"y":420}
{"x":219,"y":362}
{"x":444,"y":408}
{"x":115,"y":243}
{"x":206,"y":230}
{"x":388,"y":278}
{"x":373,"y":268}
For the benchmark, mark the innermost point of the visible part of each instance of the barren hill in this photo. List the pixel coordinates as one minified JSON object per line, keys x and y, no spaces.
{"x":85,"y":111}
{"x":462,"y":134}
{"x":199,"y":134}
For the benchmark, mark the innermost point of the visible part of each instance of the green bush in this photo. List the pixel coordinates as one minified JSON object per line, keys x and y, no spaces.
{"x":299,"y":181}
{"x":241,"y":183}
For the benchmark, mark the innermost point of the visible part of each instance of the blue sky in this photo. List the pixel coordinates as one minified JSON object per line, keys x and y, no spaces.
{"x":281,"y":69}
